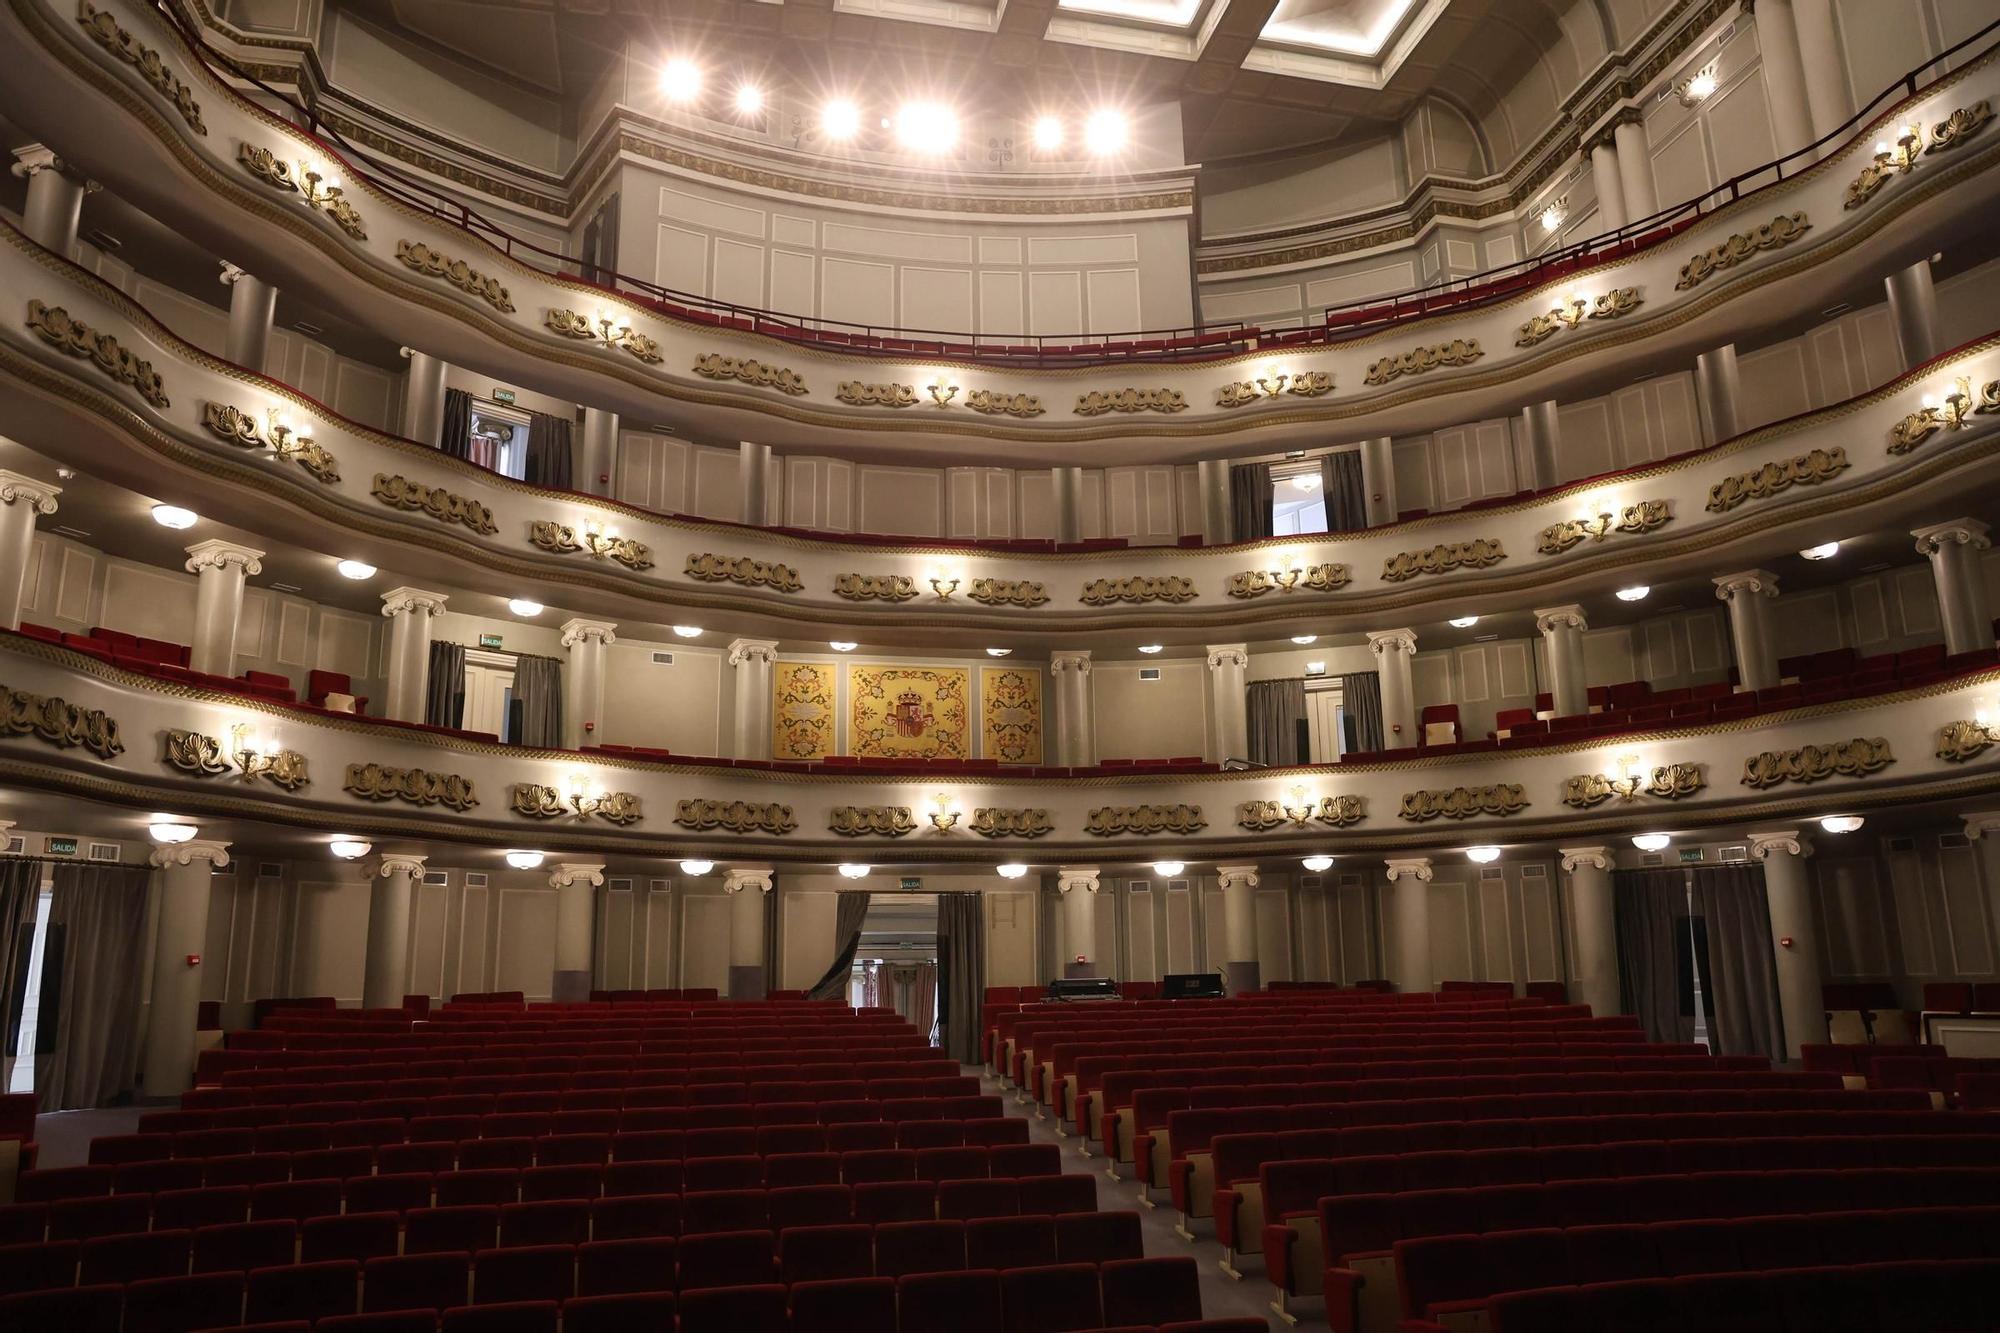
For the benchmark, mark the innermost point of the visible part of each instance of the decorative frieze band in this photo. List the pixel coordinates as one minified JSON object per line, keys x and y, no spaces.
{"x":1107,"y":821}
{"x":102,"y":350}
{"x":417,"y":786}
{"x":875,"y":395}
{"x":1099,"y":401}
{"x":1421,"y":360}
{"x":62,"y":724}
{"x":744,"y":570}
{"x":1950,"y":414}
{"x":749,"y":370}
{"x":1812,"y":763}
{"x":1304,"y":384}
{"x":1807,"y":469}
{"x":563,"y":539}
{"x":1611,"y":305}
{"x":1164,"y":588}
{"x":1668,"y":782}
{"x":1960,"y":741}
{"x":309,"y":185}
{"x":1007,"y":592}
{"x":241,"y":429}
{"x":993,"y":403}
{"x":432,"y":263}
{"x":572,"y":324}
{"x":1645,"y":516}
{"x":1311,"y":578}
{"x":856,"y":821}
{"x":1336,"y":811}
{"x":875,"y":587}
{"x":1779,"y":232}
{"x":401,"y":493}
{"x":1901,"y":159}
{"x":537,"y":801}
{"x":1502,"y":798}
{"x":1475,"y":554}
{"x":989,"y":822}
{"x":104,"y":30}
{"x":735,"y":817}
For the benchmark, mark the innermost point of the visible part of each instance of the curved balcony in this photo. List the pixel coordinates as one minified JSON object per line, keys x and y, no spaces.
{"x":243,"y":184}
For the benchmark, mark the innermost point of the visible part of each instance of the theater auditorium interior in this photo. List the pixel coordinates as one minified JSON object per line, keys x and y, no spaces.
{"x":999,"y":666}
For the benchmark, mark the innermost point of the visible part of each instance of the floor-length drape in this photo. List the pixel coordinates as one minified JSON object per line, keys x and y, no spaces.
{"x":1742,"y":984}
{"x":538,"y":688}
{"x":456,"y":437}
{"x":1346,"y":494}
{"x":1250,"y":501}
{"x":961,"y":931}
{"x":97,"y":945}
{"x":924,"y":998}
{"x":444,"y":692}
{"x":1276,"y":707}
{"x":850,"y":910}
{"x":20,"y":887}
{"x":1650,"y":911}
{"x":548,"y":457}
{"x":1361,"y":705}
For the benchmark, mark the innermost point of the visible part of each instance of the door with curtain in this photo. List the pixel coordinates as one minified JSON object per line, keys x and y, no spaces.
{"x":489,"y":692}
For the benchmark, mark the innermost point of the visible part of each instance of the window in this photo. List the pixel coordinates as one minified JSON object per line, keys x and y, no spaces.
{"x":499,"y":438}
{"x":1297,"y":504}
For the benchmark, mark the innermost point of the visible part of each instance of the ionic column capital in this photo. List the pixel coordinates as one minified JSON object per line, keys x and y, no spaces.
{"x":397,"y":863}
{"x":220,"y":554}
{"x":38,"y":495}
{"x":1966,"y":532}
{"x":1413,"y":867}
{"x":752,"y":650}
{"x":1762,"y":845}
{"x":232,"y":274}
{"x":1232,"y":877}
{"x":191,"y":851}
{"x":1757,"y":582}
{"x":1228,"y":654}
{"x":579,"y":631}
{"x":1550,"y":619}
{"x":412,"y":601}
{"x":1977,"y":825}
{"x":1597,"y":858}
{"x":1070,"y":878}
{"x":738,"y":878}
{"x":32,"y":159}
{"x":1384,"y":641}
{"x":568,"y":874}
{"x":1077,"y":661}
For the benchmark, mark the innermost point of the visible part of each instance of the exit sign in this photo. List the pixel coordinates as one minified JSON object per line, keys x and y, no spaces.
{"x":503,"y":395}
{"x":910,"y":883}
{"x":489,"y":641}
{"x":59,"y":846}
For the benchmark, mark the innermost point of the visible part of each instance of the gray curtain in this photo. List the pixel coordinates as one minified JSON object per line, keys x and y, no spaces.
{"x":924,"y":998}
{"x":770,"y":943}
{"x":548,"y":460}
{"x":1250,"y":501}
{"x":961,"y":932}
{"x":1346,"y":495}
{"x":444,"y":699}
{"x":1742,"y":989}
{"x":20,"y":886}
{"x":456,"y":437}
{"x":96,"y":943}
{"x":1276,"y":708}
{"x":538,"y":689}
{"x":1650,"y":910}
{"x":850,"y":909}
{"x":1361,"y":702}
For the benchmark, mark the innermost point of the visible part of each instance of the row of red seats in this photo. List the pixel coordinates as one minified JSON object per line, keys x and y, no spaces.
{"x":461,"y":1116}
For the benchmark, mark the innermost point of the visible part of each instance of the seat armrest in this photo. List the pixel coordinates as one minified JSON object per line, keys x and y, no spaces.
{"x":1227,"y":1206}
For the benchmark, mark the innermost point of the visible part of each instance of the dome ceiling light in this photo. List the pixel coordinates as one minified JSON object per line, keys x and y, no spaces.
{"x":1010,"y":870}
{"x":524,"y":860}
{"x":1317,"y":864}
{"x":175,"y":517}
{"x":170,"y":831}
{"x":1168,"y":869}
{"x":1303,"y":639}
{"x":524,"y":608}
{"x":1463,"y":622}
{"x":1842,"y":823}
{"x":853,"y":870}
{"x":1150,"y":648}
{"x":1651,"y":842}
{"x":842,"y":645}
{"x":1824,"y":551}
{"x":1636,"y":593}
{"x":1482,"y":855}
{"x":355,"y":569}
{"x":349,"y":849}
{"x":687,"y":631}
{"x":696,"y":867}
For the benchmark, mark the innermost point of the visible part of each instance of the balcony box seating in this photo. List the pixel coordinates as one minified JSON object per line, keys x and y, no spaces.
{"x":319,"y":684}
{"x":1438,"y":724}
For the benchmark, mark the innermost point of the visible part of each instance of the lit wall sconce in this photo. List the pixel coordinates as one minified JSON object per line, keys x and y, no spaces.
{"x":1603,"y":517}
{"x":941,"y":393}
{"x":945,"y":816}
{"x":1632,"y":778}
{"x":1574,"y":310}
{"x":1555,"y":214}
{"x":262,"y":757}
{"x":583,"y":796}
{"x":1891,"y":159}
{"x":1697,"y":87}
{"x":316,"y":187}
{"x":1299,"y":806}
{"x":284,"y":438}
{"x":1960,"y":741}
{"x":944,"y":585}
{"x":1933,"y":416}
{"x":599,"y":540}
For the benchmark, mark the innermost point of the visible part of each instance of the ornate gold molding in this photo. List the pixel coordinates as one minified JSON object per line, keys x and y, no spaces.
{"x":1950,"y":414}
{"x":192,"y":752}
{"x":1337,"y":811}
{"x":402,"y":493}
{"x":1960,"y":741}
{"x":1890,"y":162}
{"x":1420,"y":360}
{"x":876,"y":395}
{"x":1959,"y":126}
{"x":1668,"y":782}
{"x":562,"y":539}
{"x":419,"y":256}
{"x":417,"y":786}
{"x":105,"y":31}
{"x":542,"y":802}
{"x":1308,"y":578}
{"x":304,"y":182}
{"x":855,"y":821}
{"x":994,"y":403}
{"x":1811,"y":763}
{"x":735,"y":817}
{"x":62,"y":724}
{"x":710,"y":568}
{"x":1107,"y":821}
{"x":1807,"y":469}
{"x":1304,"y":384}
{"x":715,"y":366}
{"x":102,"y":350}
{"x":1162,"y":588}
{"x":1475,"y":554}
{"x":1099,"y":401}
{"x":875,"y":587}
{"x":241,"y":429}
{"x":1644,"y":516}
{"x":990,"y":822}
{"x":1611,"y":305}
{"x":1502,"y":798}
{"x":1007,"y":592}
{"x":572,"y":324}
{"x":1779,"y":232}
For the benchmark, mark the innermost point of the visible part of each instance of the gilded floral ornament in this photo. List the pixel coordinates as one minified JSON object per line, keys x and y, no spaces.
{"x":994,"y":404}
{"x":1807,"y":469}
{"x":1950,"y":414}
{"x":715,"y":366}
{"x":417,"y":255}
{"x":563,"y":539}
{"x":1099,"y":401}
{"x":1335,"y":811}
{"x":742,"y":569}
{"x":104,"y":30}
{"x":102,"y":350}
{"x":537,"y":801}
{"x":735,"y":817}
{"x":1668,"y":782}
{"x":1309,"y":578}
{"x":1645,"y":516}
{"x":1959,"y":126}
{"x":1611,"y":305}
{"x":855,"y":821}
{"x":1502,"y":798}
{"x":1960,"y":741}
{"x":1304,"y":384}
{"x":1419,"y":360}
{"x":1110,"y":820}
{"x":875,"y":587}
{"x":1163,"y":588}
{"x":402,"y":493}
{"x":1776,"y":234}
{"x":1811,"y":763}
{"x":192,"y":752}
{"x":241,"y":429}
{"x":876,"y":395}
{"x":1475,"y":554}
{"x":416,"y":786}
{"x":310,"y":185}
{"x":1889,"y":163}
{"x":610,"y":332}
{"x":1007,"y":592}
{"x":990,"y":822}
{"x":59,"y":722}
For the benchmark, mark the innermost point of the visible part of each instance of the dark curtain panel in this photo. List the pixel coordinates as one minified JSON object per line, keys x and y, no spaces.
{"x":444,"y":697}
{"x":538,"y":690}
{"x":770,"y":941}
{"x":850,"y":909}
{"x":924,"y":998}
{"x":91,"y":959}
{"x":1250,"y":501}
{"x":1276,"y":707}
{"x":1361,"y":704}
{"x":20,"y":886}
{"x":1346,"y":496}
{"x":456,"y":437}
{"x":1742,"y":989}
{"x":548,"y":462}
{"x":961,"y":932}
{"x":1650,"y":909}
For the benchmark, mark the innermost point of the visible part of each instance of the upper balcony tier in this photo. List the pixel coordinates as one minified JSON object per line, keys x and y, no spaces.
{"x":182,"y":143}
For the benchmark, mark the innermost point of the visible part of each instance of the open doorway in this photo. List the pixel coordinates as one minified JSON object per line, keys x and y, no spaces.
{"x":896,"y":966}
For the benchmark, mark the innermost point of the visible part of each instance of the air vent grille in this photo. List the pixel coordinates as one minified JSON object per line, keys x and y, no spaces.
{"x":1902,"y":844}
{"x":104,"y":851}
{"x":1149,"y":673}
{"x":1137,"y":887}
{"x":475,"y":879}
{"x":1350,"y":881}
{"x":16,"y":845}
{"x":1491,"y":872}
{"x":663,"y":659}
{"x":660,"y":885}
{"x":1652,"y":859}
{"x":1732,"y":853}
{"x":1953,"y":840}
{"x":621,"y":885}
{"x":436,"y":879}
{"x":1534,"y":870}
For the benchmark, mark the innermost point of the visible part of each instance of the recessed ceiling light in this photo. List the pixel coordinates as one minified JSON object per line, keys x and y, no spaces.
{"x":348,"y":849}
{"x":524,"y":860}
{"x":1824,"y":551}
{"x":696,"y":867}
{"x":842,"y":645}
{"x":1010,"y":870}
{"x":170,"y":831}
{"x":998,"y":652}
{"x":1303,"y":639}
{"x":355,"y":569}
{"x":1482,"y":855}
{"x":680,"y":79}
{"x":1168,"y":869}
{"x":687,"y":631}
{"x":749,"y":99}
{"x":1463,"y":622}
{"x":1104,"y":132}
{"x":839,"y":119}
{"x":1651,"y":842}
{"x":521,"y":606}
{"x":1150,"y":648}
{"x":1636,"y":593}
{"x":173,"y":516}
{"x":1841,"y":823}
{"x":1048,"y":134}
{"x":853,"y":870}
{"x":1317,"y":864}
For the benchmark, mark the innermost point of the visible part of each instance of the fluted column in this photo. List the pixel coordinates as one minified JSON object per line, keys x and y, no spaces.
{"x":1635,"y":168}
{"x":1212,"y":481}
{"x":1562,"y":640}
{"x":1716,"y":389}
{"x":753,"y":471}
{"x":746,"y":886}
{"x":1228,"y":692}
{"x":1611,"y":214}
{"x":1410,"y":889}
{"x":576,"y":884}
{"x":597,"y":453}
{"x":1827,"y":94}
{"x":589,"y":643}
{"x":1540,"y":432}
{"x":1075,"y":744}
{"x":1394,"y":651}
{"x":180,"y":940}
{"x":1378,"y":479}
{"x":409,"y":611}
{"x":423,"y":397}
{"x":1794,"y":943}
{"x":220,"y":569}
{"x":752,"y":660}
{"x":1748,"y":594}
{"x":1784,"y":75}
{"x":1913,"y":310}
{"x":1078,"y":887}
{"x":252,"y":305}
{"x":55,"y":199}
{"x":1594,"y":970}
{"x":1241,"y":969}
{"x":21,"y":499}
{"x":1066,"y":495}
{"x":386,"y":969}
{"x":1954,"y":549}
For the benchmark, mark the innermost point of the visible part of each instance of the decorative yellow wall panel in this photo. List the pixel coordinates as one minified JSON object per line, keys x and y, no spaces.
{"x":802,"y":710}
{"x":909,"y":712}
{"x":1011,"y":709}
